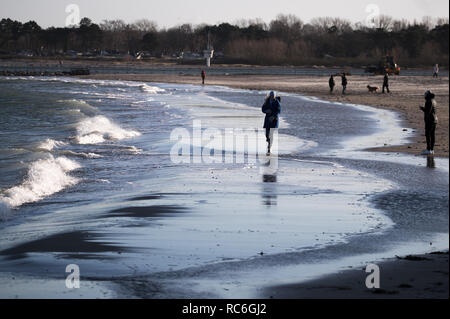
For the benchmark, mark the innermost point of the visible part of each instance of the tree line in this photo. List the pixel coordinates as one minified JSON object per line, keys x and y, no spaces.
{"x":286,"y":40}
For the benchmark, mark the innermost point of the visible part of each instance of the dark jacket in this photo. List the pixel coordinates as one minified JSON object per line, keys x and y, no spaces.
{"x":386,"y":80}
{"x":429,"y":111}
{"x":272,"y":109}
{"x":344,"y":80}
{"x":331,"y":82}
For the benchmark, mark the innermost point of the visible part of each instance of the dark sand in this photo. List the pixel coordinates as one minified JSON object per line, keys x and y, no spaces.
{"x":77,"y":243}
{"x":410,"y":277}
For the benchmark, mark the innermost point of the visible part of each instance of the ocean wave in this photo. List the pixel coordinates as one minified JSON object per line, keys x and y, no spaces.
{"x":97,"y":129}
{"x":80,"y":154}
{"x":49,"y":144}
{"x":151,"y":89}
{"x":44,"y":178}
{"x":131,"y":149}
{"x":81,"y":106}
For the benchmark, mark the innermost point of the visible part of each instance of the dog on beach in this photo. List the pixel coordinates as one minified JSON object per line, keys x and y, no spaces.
{"x":373,"y":89}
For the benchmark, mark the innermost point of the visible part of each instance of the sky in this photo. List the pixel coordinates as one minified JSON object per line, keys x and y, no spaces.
{"x":168,"y":13}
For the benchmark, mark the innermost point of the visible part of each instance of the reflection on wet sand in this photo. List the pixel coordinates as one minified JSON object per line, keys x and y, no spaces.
{"x":269,"y":193}
{"x":430,"y":162}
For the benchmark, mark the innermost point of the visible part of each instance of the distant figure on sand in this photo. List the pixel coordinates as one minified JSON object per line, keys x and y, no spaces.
{"x":431,"y":121}
{"x":436,"y":71}
{"x":203,"y":74}
{"x":386,"y":83}
{"x":344,"y":83}
{"x":331,"y":83}
{"x":272,"y":109}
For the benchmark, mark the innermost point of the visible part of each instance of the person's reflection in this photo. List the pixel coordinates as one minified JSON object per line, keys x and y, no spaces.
{"x":430,"y":162}
{"x":269,"y":193}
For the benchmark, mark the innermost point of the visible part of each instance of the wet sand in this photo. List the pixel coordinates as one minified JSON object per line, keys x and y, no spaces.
{"x":407,"y":277}
{"x":405,"y":97}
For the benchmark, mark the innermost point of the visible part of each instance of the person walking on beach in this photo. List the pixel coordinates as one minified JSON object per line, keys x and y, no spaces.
{"x":386,"y":83}
{"x":272,"y":109}
{"x":344,"y":83}
{"x":436,"y":71}
{"x":331,"y":83}
{"x":431,"y":121}
{"x":203,"y":74}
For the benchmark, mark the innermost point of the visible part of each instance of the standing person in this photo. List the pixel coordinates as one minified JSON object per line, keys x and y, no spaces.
{"x":272,"y":109}
{"x":203,"y":74}
{"x":386,"y":83}
{"x":431,"y":121}
{"x":331,"y":84}
{"x":344,"y":83}
{"x":436,"y":71}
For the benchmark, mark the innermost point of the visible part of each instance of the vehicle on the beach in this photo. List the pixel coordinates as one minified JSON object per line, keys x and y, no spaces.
{"x":386,"y":65}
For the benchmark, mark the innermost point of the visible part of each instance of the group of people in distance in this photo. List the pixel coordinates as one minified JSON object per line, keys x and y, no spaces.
{"x":332,"y":84}
{"x":272,"y":109}
{"x":344,"y":82}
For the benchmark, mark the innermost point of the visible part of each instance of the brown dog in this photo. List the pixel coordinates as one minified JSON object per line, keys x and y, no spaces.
{"x":372,"y":89}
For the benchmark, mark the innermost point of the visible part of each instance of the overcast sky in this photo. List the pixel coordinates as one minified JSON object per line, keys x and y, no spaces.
{"x":169,"y":13}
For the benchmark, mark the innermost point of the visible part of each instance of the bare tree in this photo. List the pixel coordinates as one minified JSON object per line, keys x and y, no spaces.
{"x":113,"y":25}
{"x":428,"y":22}
{"x":399,"y":25}
{"x":383,"y":22}
{"x":145,"y":25}
{"x":288,"y":27}
{"x":442,"y":21}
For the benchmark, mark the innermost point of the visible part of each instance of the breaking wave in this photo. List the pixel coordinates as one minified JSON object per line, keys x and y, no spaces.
{"x":44,"y":178}
{"x":151,"y":89}
{"x":97,"y":129}
{"x":49,"y":144}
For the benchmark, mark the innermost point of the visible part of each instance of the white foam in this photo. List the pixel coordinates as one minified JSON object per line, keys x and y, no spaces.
{"x":97,"y":129}
{"x":49,"y":144}
{"x":151,"y":89}
{"x":44,"y":178}
{"x":81,"y":106}
{"x":81,"y":154}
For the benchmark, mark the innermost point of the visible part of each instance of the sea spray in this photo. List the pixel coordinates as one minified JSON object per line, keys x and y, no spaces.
{"x":44,"y":178}
{"x":97,"y":129}
{"x":151,"y":89}
{"x":49,"y":144}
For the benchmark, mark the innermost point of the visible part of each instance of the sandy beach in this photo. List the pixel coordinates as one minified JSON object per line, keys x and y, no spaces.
{"x":405,"y":97}
{"x":404,"y":277}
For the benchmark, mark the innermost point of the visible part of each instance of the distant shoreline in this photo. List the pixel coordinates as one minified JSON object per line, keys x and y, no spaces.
{"x":174,"y":63}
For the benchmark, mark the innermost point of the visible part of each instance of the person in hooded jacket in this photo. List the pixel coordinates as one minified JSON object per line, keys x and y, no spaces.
{"x":203,"y":75}
{"x":431,"y":121}
{"x":272,"y":109}
{"x":331,"y":83}
{"x":386,"y":83}
{"x":344,"y":83}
